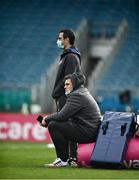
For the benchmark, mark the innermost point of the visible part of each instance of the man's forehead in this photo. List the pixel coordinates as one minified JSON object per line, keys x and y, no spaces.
{"x":61,"y":35}
{"x":68,"y":80}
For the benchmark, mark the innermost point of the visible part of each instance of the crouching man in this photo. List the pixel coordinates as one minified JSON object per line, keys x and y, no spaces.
{"x":78,"y":121}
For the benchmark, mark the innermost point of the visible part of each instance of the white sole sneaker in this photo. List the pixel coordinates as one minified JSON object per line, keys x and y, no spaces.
{"x":51,"y":165}
{"x":57,"y":163}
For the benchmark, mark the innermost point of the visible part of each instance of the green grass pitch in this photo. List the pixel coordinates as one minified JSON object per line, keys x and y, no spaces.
{"x":25,"y":161}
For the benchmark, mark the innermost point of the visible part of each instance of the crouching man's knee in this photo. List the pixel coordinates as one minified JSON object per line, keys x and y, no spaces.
{"x":52,"y":125}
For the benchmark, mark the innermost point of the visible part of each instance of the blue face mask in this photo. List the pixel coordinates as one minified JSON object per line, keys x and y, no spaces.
{"x":59,"y":44}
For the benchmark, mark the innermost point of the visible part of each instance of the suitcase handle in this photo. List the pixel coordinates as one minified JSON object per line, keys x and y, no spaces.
{"x":123,"y":129}
{"x":105,"y":127}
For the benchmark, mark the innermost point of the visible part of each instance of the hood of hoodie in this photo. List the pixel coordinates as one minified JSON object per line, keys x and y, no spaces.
{"x":77,"y":80}
{"x":71,"y":50}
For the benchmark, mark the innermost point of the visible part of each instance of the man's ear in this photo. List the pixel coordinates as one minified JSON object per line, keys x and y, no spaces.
{"x":67,"y":39}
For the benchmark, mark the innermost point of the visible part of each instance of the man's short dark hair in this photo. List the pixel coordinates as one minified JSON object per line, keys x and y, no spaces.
{"x":70,"y":34}
{"x":77,"y":79}
{"x":69,"y":76}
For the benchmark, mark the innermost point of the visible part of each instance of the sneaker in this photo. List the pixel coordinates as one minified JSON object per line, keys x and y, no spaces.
{"x":72,"y":162}
{"x":57,"y":163}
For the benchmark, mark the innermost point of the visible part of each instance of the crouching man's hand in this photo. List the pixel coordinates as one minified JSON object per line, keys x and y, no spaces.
{"x":44,"y":123}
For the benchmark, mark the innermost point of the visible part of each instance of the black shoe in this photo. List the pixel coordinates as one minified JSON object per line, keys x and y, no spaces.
{"x":72,"y":162}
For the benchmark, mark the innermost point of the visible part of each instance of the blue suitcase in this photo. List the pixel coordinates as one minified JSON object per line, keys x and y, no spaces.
{"x":112,"y":139}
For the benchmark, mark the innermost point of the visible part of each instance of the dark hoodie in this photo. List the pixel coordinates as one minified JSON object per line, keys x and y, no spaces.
{"x":80,"y":108}
{"x":69,"y":63}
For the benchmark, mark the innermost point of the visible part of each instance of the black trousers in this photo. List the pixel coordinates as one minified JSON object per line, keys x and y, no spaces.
{"x":60,"y":102}
{"x":63,"y":132}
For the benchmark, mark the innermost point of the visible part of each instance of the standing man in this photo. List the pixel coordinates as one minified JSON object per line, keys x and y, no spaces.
{"x":70,"y":62}
{"x":78,"y":121}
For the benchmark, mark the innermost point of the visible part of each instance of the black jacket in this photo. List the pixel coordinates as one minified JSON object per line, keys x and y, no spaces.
{"x":80,"y":108}
{"x":69,"y":62}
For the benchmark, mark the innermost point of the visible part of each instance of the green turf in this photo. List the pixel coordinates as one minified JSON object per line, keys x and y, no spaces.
{"x":25,"y":161}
